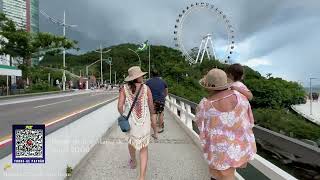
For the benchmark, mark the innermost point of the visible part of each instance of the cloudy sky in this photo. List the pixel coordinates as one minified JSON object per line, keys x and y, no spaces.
{"x":272,"y":36}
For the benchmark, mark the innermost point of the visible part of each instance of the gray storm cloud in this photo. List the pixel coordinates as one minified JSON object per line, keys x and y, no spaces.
{"x":282,"y":31}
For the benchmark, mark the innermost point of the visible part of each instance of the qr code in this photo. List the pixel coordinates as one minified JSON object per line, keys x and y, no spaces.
{"x":28,"y":146}
{"x":29,"y":143}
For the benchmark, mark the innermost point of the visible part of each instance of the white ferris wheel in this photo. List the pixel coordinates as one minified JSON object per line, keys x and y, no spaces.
{"x":207,"y":44}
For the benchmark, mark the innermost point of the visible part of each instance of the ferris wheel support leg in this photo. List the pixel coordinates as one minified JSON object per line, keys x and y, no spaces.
{"x":199,"y":51}
{"x":204,"y":50}
{"x":207,"y":51}
{"x":214,"y":54}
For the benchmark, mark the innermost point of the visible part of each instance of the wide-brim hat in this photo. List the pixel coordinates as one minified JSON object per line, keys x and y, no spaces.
{"x":134,"y":73}
{"x":215,"y":80}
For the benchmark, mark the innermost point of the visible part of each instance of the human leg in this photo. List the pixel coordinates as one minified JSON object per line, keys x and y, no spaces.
{"x":214,"y":173}
{"x":228,"y":174}
{"x":143,"y":162}
{"x":161,"y":122}
{"x":133,"y":160}
{"x":161,"y":119}
{"x":154,"y":126}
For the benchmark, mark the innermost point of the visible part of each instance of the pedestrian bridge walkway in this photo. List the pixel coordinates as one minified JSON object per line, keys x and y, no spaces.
{"x":175,"y":155}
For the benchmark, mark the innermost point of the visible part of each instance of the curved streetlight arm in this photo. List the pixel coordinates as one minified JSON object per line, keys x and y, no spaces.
{"x":136,"y":54}
{"x":87,"y":67}
{"x":99,"y":51}
{"x":94,"y":63}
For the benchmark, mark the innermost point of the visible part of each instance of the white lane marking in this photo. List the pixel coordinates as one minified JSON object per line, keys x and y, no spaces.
{"x":8,"y":140}
{"x":52,"y":103}
{"x":79,"y":111}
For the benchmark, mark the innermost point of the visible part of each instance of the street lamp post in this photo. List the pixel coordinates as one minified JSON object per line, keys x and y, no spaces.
{"x":101,"y":52}
{"x":311,"y":98}
{"x":109,"y":61}
{"x":136,"y":54}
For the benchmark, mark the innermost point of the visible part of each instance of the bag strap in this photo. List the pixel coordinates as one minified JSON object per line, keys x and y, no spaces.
{"x":134,"y":102}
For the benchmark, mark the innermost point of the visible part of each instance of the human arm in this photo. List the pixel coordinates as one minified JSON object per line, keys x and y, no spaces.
{"x":150,"y":101}
{"x":243,"y":90}
{"x":166,"y":92}
{"x":121,"y":101}
{"x":199,"y":118}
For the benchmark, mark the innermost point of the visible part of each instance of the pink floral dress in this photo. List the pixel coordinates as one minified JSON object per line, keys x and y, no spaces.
{"x":227,"y":138}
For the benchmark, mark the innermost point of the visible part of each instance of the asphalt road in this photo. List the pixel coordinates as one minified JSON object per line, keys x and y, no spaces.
{"x":47,"y":110}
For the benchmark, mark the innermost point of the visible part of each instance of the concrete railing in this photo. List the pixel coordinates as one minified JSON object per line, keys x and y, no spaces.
{"x":184,"y":110}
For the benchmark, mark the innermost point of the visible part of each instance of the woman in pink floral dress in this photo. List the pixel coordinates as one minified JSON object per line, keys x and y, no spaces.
{"x":225,"y":122}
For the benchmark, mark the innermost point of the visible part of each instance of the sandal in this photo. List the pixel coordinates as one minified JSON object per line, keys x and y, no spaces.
{"x":132,"y":164}
{"x":161,"y":130}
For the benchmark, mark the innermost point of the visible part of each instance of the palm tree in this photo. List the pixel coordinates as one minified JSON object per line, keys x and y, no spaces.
{"x":269,"y":75}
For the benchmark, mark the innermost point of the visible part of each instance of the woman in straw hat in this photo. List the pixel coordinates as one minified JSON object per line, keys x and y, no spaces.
{"x":225,"y":122}
{"x":139,"y":120}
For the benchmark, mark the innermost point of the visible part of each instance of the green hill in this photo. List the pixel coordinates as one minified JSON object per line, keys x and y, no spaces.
{"x":272,"y":97}
{"x":182,"y":78}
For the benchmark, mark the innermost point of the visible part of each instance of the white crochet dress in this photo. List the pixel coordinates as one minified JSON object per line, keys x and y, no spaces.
{"x":139,"y":120}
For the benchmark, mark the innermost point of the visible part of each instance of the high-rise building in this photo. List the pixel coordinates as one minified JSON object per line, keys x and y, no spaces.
{"x":25,"y":13}
{"x":34,"y":10}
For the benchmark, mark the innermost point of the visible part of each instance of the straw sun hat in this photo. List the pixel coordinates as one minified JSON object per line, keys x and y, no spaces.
{"x":134,"y":73}
{"x":215,"y":80}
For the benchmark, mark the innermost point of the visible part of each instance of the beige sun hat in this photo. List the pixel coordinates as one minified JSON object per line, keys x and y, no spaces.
{"x":134,"y":73}
{"x":215,"y":80}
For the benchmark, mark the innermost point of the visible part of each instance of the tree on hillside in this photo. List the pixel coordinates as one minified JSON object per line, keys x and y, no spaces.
{"x":269,"y":75}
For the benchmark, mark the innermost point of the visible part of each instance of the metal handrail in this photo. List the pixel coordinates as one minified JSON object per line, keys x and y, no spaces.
{"x":182,"y":111}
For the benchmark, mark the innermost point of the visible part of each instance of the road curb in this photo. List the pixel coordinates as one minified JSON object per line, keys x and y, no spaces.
{"x":34,"y":94}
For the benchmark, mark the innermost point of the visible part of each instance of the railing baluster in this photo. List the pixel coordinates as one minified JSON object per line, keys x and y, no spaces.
{"x":188,"y":121}
{"x":174,"y":105}
{"x":183,"y":116}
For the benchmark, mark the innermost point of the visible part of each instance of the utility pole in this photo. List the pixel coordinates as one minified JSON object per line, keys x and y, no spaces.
{"x":49,"y":79}
{"x":64,"y":54}
{"x":110,"y":72}
{"x":64,"y":25}
{"x":101,"y":52}
{"x":115,"y":77}
{"x":7,"y":85}
{"x":311,"y":98}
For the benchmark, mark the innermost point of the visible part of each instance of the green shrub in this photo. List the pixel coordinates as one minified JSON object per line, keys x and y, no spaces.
{"x":283,"y":120}
{"x":41,"y":87}
{"x":275,"y":93}
{"x":69,"y":171}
